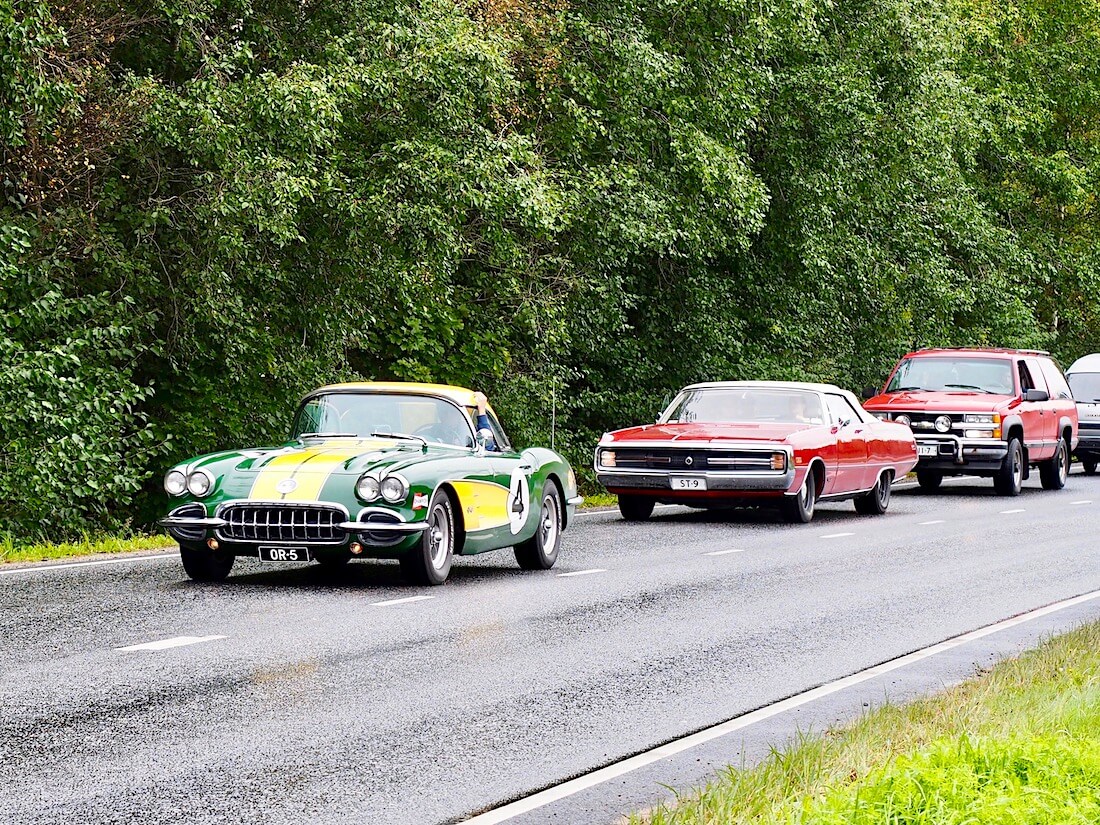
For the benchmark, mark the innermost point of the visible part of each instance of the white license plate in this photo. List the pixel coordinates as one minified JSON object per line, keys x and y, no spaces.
{"x":688,"y":483}
{"x":281,"y":554}
{"x":928,"y":449}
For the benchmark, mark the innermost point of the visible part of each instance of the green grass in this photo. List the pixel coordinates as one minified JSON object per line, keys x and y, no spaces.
{"x":1019,"y":745}
{"x":11,"y":551}
{"x":600,"y":500}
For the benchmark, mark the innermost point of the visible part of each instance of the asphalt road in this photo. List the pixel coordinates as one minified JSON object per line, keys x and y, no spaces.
{"x":321,"y":699}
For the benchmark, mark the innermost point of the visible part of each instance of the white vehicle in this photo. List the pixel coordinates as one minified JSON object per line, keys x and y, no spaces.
{"x":1084,"y":379}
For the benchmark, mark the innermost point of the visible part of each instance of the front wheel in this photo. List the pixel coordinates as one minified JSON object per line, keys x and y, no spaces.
{"x":1009,"y":479}
{"x":1055,"y":470}
{"x":429,"y":562}
{"x":799,"y":508}
{"x":541,"y":550}
{"x":205,"y":565}
{"x":636,"y":508}
{"x":875,"y":502}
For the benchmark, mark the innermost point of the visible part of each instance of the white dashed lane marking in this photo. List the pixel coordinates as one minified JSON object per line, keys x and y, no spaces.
{"x":406,"y":600}
{"x":1082,"y":501}
{"x":724,"y":552}
{"x":933,"y":521}
{"x":1010,"y":512}
{"x":837,"y":535}
{"x":167,"y":644}
{"x":582,"y":572}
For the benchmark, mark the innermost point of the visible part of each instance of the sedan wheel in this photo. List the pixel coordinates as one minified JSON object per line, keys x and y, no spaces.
{"x":205,"y":565}
{"x":541,"y":550}
{"x":877,"y":500}
{"x":799,"y":508}
{"x":429,"y":562}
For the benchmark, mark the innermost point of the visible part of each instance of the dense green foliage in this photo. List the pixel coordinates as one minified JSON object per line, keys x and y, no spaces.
{"x":210,"y":206}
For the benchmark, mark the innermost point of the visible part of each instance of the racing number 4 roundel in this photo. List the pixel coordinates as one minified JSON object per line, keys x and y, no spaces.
{"x":519,"y":501}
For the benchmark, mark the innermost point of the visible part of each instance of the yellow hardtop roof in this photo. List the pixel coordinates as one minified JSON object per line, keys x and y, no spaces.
{"x":460,"y":395}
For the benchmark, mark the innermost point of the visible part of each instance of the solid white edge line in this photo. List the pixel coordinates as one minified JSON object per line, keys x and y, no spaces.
{"x":582,"y":572}
{"x":169,"y":644}
{"x":405,"y":600}
{"x":600,"y":775}
{"x":36,"y":567}
{"x":724,"y":552}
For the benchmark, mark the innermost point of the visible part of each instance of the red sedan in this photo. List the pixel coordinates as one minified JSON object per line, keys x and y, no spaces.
{"x":757,"y":442}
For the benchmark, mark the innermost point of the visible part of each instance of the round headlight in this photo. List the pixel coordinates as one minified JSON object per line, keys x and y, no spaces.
{"x":943,"y":424}
{"x":367,"y":488}
{"x":199,"y":483}
{"x":394,"y":489}
{"x":903,"y":419}
{"x":175,"y":483}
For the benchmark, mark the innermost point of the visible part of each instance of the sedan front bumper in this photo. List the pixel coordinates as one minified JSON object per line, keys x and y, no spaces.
{"x":663,"y":481}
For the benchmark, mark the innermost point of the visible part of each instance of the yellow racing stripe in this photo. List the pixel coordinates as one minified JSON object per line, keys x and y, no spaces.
{"x":310,"y":469}
{"x":484,"y":504}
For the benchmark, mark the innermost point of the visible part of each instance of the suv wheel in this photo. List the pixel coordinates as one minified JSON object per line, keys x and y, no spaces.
{"x":1009,"y":479}
{"x":929,"y":480}
{"x":1089,"y":466}
{"x":1054,"y":471}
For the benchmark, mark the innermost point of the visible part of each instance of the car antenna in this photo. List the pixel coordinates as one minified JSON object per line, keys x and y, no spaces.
{"x":553,"y":415}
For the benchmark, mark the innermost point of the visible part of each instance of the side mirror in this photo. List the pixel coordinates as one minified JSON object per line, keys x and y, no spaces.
{"x":1036,"y":395}
{"x":484,"y":436}
{"x":869,"y":392}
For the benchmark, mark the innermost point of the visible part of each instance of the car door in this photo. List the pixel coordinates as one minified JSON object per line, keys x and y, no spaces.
{"x":516,"y":472}
{"x":850,"y":472}
{"x":1061,"y":396}
{"x":1040,"y":435}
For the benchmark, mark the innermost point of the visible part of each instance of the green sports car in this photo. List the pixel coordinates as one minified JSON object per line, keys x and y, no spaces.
{"x":378,"y":470}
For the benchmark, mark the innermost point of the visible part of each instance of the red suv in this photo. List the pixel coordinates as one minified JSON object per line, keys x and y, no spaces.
{"x":986,"y":412}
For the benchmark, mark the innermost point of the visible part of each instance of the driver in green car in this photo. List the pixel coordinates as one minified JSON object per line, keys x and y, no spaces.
{"x":483,"y":420}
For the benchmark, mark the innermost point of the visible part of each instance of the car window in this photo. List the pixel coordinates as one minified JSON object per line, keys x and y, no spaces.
{"x":1055,"y":380}
{"x":949,"y":373}
{"x":1026,"y":382}
{"x":734,"y":405}
{"x":1036,"y":373}
{"x":1086,"y":386}
{"x":364,"y":414}
{"x":498,"y":433}
{"x":841,"y":409}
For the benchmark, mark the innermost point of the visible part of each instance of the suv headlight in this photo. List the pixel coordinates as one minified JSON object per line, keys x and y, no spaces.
{"x":367,"y":488}
{"x":943,"y":424}
{"x":199,"y":483}
{"x":981,"y":418}
{"x":175,"y":483}
{"x":394,"y":489}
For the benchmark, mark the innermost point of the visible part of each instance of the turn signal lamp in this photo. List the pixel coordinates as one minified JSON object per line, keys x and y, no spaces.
{"x":212,"y":544}
{"x":356,"y":548}
{"x":996,"y":425}
{"x":607,"y":458}
{"x":779,"y":461}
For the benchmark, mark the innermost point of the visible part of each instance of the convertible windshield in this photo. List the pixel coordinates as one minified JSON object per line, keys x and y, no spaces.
{"x":1085,"y":386}
{"x":747,"y":405}
{"x":380,"y":414}
{"x":933,"y":374}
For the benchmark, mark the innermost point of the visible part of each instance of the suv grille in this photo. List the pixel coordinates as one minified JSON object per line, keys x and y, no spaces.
{"x":925,"y":422}
{"x":306,"y":523}
{"x":677,"y":459}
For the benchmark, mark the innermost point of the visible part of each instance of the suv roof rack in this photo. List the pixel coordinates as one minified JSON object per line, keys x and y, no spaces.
{"x":985,"y":349}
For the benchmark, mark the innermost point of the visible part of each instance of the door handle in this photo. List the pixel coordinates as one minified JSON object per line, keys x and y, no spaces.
{"x":526,"y":467}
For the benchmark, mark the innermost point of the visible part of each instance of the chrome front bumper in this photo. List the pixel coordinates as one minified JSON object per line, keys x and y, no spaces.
{"x":657,"y":480}
{"x":957,"y":450}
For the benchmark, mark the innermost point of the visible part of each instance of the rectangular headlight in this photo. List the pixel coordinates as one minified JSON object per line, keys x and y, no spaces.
{"x":779,"y":461}
{"x":979,"y":418}
{"x":881,"y":416}
{"x":607,"y":458}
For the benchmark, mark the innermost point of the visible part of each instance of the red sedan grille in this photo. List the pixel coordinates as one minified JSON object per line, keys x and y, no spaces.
{"x":677,"y":459}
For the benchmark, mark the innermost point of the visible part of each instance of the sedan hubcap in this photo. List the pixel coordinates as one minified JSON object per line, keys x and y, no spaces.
{"x":549,"y":524}
{"x":439,"y":538}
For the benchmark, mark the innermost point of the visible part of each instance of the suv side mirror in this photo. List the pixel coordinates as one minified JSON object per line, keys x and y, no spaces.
{"x":869,"y":392}
{"x":1036,"y":395}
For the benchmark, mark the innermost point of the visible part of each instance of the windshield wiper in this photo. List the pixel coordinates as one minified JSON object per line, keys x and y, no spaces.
{"x":972,"y":387}
{"x":329,"y":435}
{"x":401,"y":437}
{"x":906,"y":389}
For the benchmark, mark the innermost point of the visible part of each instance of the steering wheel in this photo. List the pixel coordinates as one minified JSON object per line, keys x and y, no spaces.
{"x":440,"y":433}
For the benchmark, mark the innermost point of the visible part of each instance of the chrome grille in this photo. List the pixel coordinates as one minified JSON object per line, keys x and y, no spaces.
{"x":282,"y":524}
{"x":688,"y":460}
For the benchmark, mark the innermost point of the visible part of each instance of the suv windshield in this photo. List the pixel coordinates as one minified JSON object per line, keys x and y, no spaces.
{"x":746,"y":404}
{"x":366,"y":414}
{"x":945,"y":374}
{"x":1085,"y":386}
